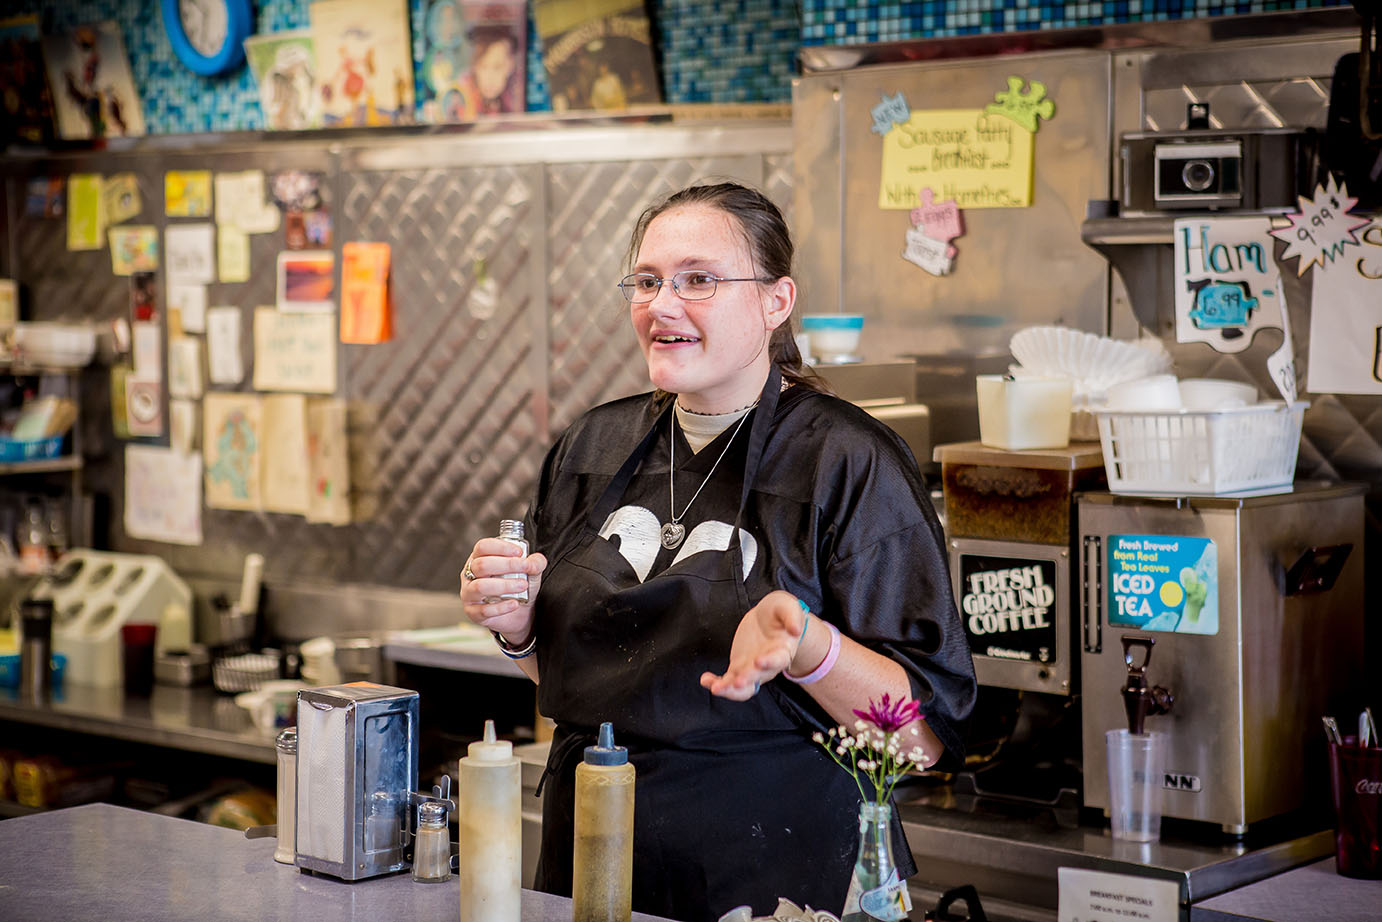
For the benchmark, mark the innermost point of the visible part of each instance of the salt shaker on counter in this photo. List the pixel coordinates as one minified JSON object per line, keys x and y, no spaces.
{"x":286,"y":747}
{"x":602,"y":867}
{"x":432,"y":850}
{"x":491,"y":826}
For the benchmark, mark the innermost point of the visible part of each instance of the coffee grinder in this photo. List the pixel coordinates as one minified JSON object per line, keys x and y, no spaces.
{"x":1244,"y":615}
{"x":1010,"y":527}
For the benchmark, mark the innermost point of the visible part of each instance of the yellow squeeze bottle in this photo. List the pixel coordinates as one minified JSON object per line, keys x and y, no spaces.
{"x":602,"y":867}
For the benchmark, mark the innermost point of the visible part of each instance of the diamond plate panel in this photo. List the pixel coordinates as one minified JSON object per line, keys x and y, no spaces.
{"x":506,"y":327}
{"x":1298,"y":102}
{"x":455,"y":444}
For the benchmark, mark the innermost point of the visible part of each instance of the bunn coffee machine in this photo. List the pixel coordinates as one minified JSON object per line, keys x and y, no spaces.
{"x":1255,"y":607}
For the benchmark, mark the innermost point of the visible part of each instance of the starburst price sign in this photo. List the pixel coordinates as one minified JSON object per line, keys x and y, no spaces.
{"x":1323,"y":228}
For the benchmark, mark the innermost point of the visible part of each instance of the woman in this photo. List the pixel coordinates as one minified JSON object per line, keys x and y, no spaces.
{"x":681,"y":537}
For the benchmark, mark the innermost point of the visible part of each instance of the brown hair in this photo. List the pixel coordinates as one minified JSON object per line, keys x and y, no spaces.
{"x":770,"y":248}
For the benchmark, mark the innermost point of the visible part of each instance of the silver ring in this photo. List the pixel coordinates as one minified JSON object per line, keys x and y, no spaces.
{"x":468,"y":573}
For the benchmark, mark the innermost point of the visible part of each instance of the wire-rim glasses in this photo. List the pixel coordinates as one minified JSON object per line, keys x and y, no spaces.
{"x":689,"y":284}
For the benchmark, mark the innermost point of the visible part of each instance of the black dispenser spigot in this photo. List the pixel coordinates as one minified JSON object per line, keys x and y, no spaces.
{"x":1139,"y":699}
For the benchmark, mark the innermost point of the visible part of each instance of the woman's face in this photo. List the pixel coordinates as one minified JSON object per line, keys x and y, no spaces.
{"x":714,"y":353}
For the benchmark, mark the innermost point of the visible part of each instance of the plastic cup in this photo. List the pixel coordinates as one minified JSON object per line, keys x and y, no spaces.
{"x":1134,"y":784}
{"x":137,"y":641}
{"x":1355,"y":776}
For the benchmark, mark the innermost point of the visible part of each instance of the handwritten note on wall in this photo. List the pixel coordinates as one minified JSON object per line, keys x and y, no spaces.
{"x":294,"y":352}
{"x":977,"y":159}
{"x":1346,"y":321}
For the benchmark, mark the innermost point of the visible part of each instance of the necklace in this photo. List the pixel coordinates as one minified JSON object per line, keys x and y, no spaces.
{"x":673,"y":532}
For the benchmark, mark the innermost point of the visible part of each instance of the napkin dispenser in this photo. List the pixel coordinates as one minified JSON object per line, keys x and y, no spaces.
{"x":356,"y":767}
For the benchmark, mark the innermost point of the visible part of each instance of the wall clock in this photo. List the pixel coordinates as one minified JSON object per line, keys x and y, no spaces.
{"x":207,"y":35}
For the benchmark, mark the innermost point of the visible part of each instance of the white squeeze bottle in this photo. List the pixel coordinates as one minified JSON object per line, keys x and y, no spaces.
{"x":491,"y":827}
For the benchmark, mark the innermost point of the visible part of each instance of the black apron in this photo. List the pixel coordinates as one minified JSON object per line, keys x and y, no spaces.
{"x":734,"y":803}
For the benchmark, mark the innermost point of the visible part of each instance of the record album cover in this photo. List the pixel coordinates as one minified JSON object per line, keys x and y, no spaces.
{"x":598,"y":54}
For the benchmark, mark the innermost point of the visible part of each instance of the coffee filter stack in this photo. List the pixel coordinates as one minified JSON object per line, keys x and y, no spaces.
{"x":1094,"y":363}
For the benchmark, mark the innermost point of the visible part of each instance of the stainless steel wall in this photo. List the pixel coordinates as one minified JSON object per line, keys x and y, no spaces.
{"x":449,"y":420}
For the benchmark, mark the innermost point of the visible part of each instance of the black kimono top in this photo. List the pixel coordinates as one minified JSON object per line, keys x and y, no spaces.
{"x":735,"y":804}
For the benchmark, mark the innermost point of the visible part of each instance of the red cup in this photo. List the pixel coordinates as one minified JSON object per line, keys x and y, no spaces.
{"x":1355,"y":776}
{"x":137,"y":641}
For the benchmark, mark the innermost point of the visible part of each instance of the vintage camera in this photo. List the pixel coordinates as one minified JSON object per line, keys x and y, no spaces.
{"x":1206,"y":175}
{"x":1244,"y":171}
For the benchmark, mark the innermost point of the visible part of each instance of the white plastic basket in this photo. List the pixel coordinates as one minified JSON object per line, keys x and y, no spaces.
{"x":1201,"y":451}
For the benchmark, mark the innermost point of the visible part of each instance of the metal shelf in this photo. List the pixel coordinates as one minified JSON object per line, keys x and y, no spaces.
{"x":44,"y":466}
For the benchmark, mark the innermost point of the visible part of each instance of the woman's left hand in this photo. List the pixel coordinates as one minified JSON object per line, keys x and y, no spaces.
{"x":764,"y":645}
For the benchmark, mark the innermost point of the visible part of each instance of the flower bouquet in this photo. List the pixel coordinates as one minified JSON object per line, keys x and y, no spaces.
{"x":885,"y":745}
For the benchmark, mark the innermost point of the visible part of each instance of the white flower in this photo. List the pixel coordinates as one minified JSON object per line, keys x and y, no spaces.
{"x":917,"y":755}
{"x":839,"y":750}
{"x":861,"y":725}
{"x":817,"y":738}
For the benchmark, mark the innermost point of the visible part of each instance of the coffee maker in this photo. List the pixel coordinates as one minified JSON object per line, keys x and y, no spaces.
{"x":1010,"y":529}
{"x":1246,"y":612}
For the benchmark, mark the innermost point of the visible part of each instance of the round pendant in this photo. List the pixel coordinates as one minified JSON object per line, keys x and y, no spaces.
{"x":672,"y":533}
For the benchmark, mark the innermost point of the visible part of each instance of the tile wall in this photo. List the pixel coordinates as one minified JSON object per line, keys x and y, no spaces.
{"x":720,"y":51}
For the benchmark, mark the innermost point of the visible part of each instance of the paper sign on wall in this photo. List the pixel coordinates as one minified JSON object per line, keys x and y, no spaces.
{"x":231,"y":445}
{"x":133,"y":248}
{"x":85,"y":213}
{"x":190,"y":303}
{"x":365,"y":293}
{"x":224,"y":362}
{"x":285,"y":475}
{"x":163,"y":495}
{"x":121,"y":197}
{"x":1346,"y":321}
{"x":190,"y":253}
{"x":240,"y":202}
{"x":187,"y":193}
{"x":185,"y":368}
{"x":306,"y":281}
{"x":294,"y":352}
{"x":183,"y":433}
{"x":974,"y":158}
{"x":232,"y":253}
{"x":328,"y":461}
{"x":1227,"y":287}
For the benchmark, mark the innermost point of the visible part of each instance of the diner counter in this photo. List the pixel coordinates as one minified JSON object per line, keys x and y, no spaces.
{"x":112,"y":864}
{"x":1315,"y":891}
{"x":197,"y":719}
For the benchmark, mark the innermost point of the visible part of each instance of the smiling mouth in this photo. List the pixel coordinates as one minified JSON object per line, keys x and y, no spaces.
{"x":672,"y":338}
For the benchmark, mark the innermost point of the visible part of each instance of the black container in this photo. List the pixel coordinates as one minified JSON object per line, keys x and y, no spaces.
{"x":35,"y":649}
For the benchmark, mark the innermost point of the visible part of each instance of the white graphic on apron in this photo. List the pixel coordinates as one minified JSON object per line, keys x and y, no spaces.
{"x":640,"y":539}
{"x":640,"y":536}
{"x":714,"y":536}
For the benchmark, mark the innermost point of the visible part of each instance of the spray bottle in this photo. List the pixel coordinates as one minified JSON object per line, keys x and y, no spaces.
{"x":602,"y":872}
{"x":491,"y":827}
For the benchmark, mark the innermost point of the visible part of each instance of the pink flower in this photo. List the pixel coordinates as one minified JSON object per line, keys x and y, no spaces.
{"x":890,"y":716}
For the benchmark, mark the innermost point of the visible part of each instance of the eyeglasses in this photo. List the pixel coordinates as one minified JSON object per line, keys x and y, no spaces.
{"x":689,"y":284}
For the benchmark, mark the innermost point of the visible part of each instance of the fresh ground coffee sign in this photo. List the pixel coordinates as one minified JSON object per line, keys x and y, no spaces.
{"x":1008,"y":605}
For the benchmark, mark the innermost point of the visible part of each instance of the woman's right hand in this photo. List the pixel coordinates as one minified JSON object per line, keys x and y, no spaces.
{"x":490,"y":562}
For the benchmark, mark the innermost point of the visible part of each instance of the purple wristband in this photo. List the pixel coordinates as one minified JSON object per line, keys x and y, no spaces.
{"x":827,"y":664}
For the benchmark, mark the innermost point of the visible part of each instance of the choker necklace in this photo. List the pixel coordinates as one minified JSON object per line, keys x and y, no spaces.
{"x":674,"y":531}
{"x":726,"y":413}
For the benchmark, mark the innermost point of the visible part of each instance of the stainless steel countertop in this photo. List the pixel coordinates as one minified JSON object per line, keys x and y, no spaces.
{"x":111,"y":864}
{"x":197,"y":719}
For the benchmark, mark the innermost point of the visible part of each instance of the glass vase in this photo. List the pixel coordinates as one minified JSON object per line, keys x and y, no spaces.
{"x":876,"y":890}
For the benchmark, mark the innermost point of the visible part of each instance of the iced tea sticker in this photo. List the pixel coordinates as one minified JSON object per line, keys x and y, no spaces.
{"x":1163,"y":583}
{"x":1319,"y":233}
